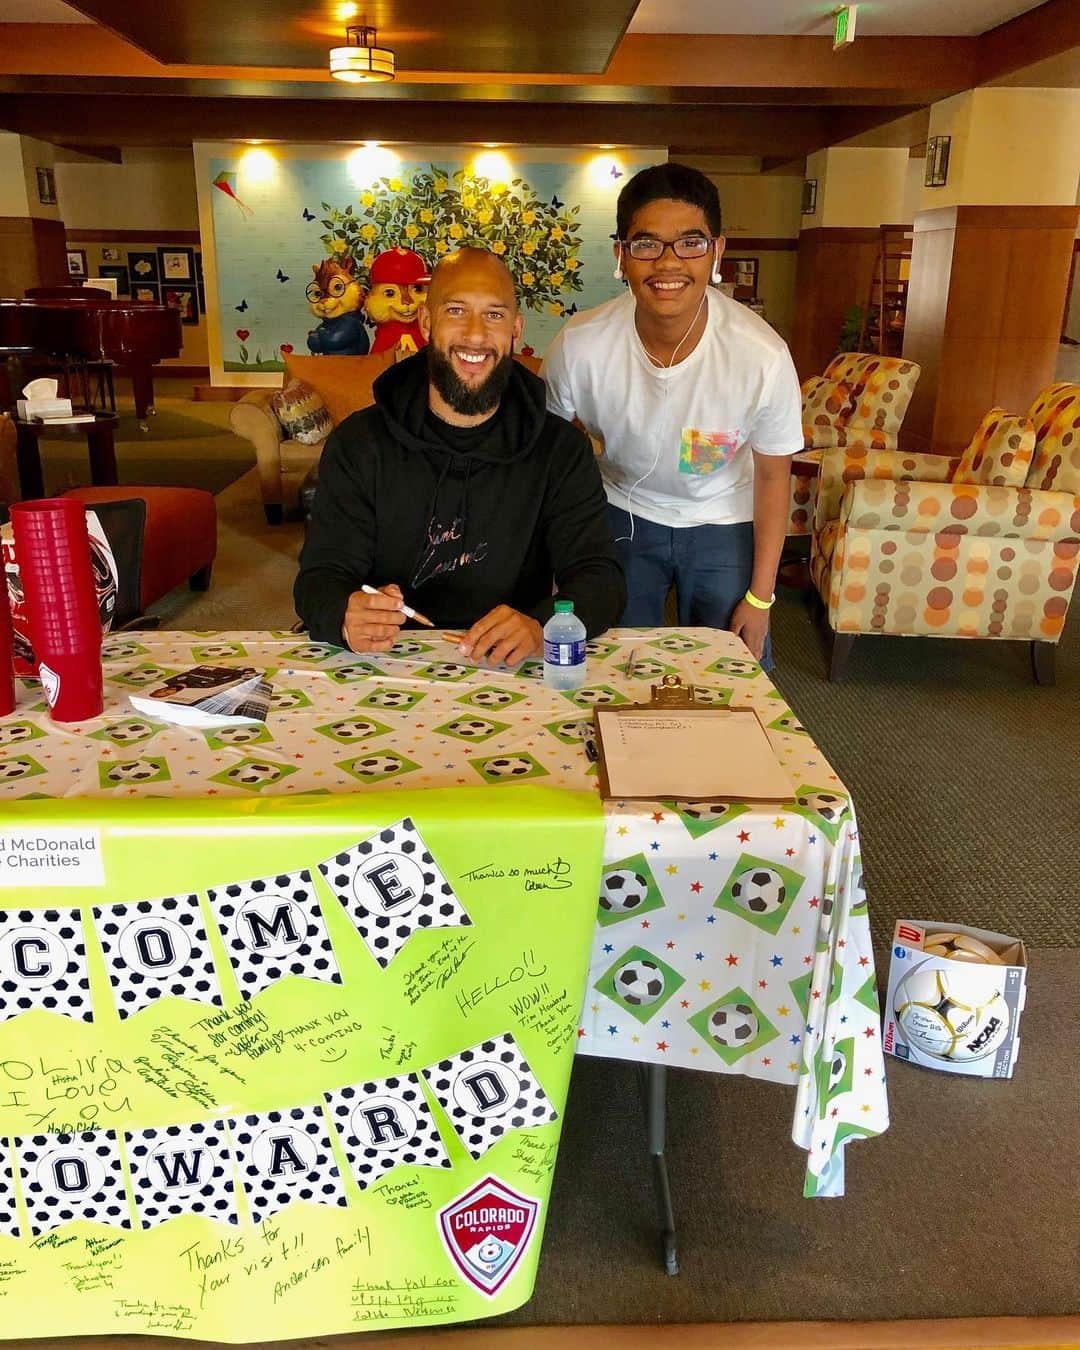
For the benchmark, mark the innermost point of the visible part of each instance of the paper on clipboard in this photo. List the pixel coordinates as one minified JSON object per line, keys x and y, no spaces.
{"x":692,"y":754}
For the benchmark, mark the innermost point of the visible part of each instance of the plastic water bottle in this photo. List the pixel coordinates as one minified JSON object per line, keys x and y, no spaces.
{"x":564,"y":648}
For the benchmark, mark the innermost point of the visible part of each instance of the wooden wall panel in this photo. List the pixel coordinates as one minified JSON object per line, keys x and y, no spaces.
{"x":833,"y":271}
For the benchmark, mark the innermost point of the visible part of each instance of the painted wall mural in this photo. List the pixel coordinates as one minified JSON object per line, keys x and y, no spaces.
{"x":310,"y":259}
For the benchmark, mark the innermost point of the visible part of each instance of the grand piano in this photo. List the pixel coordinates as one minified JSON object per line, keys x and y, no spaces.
{"x":72,"y":329}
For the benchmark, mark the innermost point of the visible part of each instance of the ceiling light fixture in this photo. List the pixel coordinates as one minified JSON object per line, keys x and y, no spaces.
{"x":361,"y":61}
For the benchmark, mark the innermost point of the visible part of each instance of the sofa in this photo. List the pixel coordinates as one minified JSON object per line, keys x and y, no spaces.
{"x":981,"y":546}
{"x":344,"y":384}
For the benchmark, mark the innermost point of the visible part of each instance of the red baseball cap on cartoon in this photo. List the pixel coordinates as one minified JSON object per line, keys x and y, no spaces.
{"x":399,"y":267}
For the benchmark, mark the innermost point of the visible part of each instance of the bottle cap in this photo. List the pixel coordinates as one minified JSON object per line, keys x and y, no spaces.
{"x":564,"y":606}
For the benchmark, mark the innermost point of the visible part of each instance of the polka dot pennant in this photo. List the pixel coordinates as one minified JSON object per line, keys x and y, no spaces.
{"x":181,"y":1169}
{"x":489,"y":1090}
{"x":43,"y":963}
{"x":285,"y":1156}
{"x":385,"y":1124}
{"x":156,"y":949}
{"x":72,"y":1176}
{"x":273,"y":927}
{"x":9,"y":1219}
{"x":392,"y":887}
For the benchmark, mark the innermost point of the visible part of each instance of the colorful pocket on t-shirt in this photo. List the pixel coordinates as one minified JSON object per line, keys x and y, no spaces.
{"x":703,"y":452}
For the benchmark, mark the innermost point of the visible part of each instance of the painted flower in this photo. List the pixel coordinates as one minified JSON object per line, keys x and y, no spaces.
{"x":441,"y":246}
{"x":557,"y":233}
{"x":498,"y":247}
{"x":556,"y":278}
{"x":339,"y":245}
{"x":456,"y":231}
{"x":529,"y":247}
{"x":411,"y":231}
{"x":572,"y":264}
{"x":395,"y":184}
{"x":368,"y":232}
{"x":484,"y":217}
{"x":367,"y":199}
{"x":440,"y":185}
{"x":528,"y":279}
{"x":498,"y":189}
{"x":556,"y":307}
{"x":427,"y":216}
{"x":468,"y":200}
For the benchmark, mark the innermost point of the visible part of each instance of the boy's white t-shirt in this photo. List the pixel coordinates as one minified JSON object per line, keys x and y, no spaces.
{"x":677,"y":442}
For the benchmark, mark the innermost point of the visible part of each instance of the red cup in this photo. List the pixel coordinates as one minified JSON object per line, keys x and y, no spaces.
{"x":72,"y":683}
{"x":7,"y":650}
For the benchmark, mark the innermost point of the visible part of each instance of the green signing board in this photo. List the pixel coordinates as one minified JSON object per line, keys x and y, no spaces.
{"x":288,"y":1067}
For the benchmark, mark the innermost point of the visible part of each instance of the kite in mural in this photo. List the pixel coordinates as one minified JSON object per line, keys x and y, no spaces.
{"x":398,"y":286}
{"x":226,"y":181}
{"x":336,"y":297}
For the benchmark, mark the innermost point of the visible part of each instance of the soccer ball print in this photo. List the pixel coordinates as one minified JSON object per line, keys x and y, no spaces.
{"x":391,"y":886}
{"x":72,"y":1176}
{"x":627,"y":890}
{"x":285,"y":1156}
{"x":385,"y":1124}
{"x":181,"y":1169}
{"x":733,"y":1026}
{"x":761,"y":891}
{"x":9,"y":1219}
{"x":489,"y":1090}
{"x":43,"y":963}
{"x":156,"y":949}
{"x":273,"y":927}
{"x":639,"y":983}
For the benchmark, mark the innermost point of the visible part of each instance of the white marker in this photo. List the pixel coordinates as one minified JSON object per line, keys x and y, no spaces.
{"x":405,"y":609}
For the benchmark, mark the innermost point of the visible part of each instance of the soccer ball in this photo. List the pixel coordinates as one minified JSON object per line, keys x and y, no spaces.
{"x":254,"y":774}
{"x":374,"y":765}
{"x":354,"y":730}
{"x":640,"y":983}
{"x":406,"y":647}
{"x":472,"y":728}
{"x":356,"y":670}
{"x":491,"y":698}
{"x":286,"y":701}
{"x":790,"y":723}
{"x":594,"y":696}
{"x":707,"y":811}
{"x":622,"y":891}
{"x":133,"y":771}
{"x":759,"y":890}
{"x":446,"y":670}
{"x":127,"y":733}
{"x":311,"y":652}
{"x":510,"y":766}
{"x":10,"y":769}
{"x":958,"y":1014}
{"x":837,"y":1070}
{"x":648,"y":669}
{"x":116,"y":651}
{"x":574,"y":731}
{"x":217,"y":650}
{"x":710,"y":696}
{"x":677,"y":644}
{"x":733,"y":666}
{"x":733,"y":1025}
{"x":824,"y":803}
{"x":390,"y":698}
{"x":239,"y":735}
{"x":16,"y":732}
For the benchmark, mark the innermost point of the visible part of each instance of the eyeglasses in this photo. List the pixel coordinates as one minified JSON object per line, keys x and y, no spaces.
{"x":652,"y":250}
{"x":335,"y":290}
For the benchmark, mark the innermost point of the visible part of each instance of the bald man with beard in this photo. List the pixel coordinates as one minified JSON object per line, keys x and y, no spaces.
{"x":459,"y":493}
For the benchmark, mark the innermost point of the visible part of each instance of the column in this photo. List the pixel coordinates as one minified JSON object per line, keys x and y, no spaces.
{"x":32,"y":242}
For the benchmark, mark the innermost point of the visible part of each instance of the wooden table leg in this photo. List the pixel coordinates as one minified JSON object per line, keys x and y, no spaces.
{"x":102,"y":447}
{"x":28,"y":456}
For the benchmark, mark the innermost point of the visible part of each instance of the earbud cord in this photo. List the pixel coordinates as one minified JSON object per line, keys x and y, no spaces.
{"x":663,"y":418}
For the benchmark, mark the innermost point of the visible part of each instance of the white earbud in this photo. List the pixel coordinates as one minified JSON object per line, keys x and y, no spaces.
{"x":717,"y":276}
{"x":618,"y":273}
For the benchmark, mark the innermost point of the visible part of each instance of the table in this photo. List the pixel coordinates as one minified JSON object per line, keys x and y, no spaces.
{"x":754,"y":916}
{"x":100,"y":443}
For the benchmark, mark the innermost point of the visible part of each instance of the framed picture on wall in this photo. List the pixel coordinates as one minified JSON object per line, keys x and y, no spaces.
{"x":110,"y":254}
{"x":119,"y":274}
{"x":146,"y":291}
{"x":76,"y":258}
{"x":46,"y":186}
{"x":185,"y":300}
{"x":742,"y":273}
{"x":143,"y":266}
{"x":176,"y":264}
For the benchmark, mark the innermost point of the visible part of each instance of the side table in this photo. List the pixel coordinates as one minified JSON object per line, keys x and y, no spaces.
{"x":100,"y":443}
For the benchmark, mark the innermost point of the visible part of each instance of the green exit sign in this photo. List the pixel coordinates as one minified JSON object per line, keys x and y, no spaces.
{"x":844,"y":30}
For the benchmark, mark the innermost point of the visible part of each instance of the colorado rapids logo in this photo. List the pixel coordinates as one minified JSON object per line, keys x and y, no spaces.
{"x":487,"y":1231}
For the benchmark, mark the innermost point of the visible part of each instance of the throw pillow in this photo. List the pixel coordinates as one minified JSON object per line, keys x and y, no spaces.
{"x":302,"y":413}
{"x":1000,"y":451}
{"x":1056,"y":414}
{"x":342,"y":382}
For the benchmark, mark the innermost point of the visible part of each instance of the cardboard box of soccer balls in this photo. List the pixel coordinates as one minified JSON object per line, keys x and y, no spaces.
{"x":955,"y":998}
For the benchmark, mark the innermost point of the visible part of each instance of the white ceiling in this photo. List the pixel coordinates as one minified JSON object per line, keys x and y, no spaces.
{"x":39,"y":11}
{"x":876,"y":18}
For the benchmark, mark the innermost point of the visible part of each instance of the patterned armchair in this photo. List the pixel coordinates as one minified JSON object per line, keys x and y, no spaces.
{"x":981,"y":547}
{"x":860,"y":400}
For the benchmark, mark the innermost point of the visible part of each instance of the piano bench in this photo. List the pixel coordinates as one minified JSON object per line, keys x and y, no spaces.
{"x":180,"y":540}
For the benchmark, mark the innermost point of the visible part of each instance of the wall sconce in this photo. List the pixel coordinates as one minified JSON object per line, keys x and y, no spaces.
{"x":361,"y":60}
{"x":809,"y":196}
{"x":937,"y":161}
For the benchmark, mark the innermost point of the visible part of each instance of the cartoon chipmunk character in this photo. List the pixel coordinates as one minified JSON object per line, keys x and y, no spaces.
{"x":398,"y":286}
{"x":337,"y":298}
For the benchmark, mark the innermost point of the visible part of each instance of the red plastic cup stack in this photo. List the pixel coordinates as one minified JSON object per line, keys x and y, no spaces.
{"x":52,"y":549}
{"x":7,"y":650}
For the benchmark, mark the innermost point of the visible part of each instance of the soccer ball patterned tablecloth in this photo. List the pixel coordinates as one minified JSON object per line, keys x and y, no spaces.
{"x":731,"y":938}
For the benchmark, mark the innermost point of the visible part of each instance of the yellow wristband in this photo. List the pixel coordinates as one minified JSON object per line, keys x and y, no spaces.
{"x":751,"y":599}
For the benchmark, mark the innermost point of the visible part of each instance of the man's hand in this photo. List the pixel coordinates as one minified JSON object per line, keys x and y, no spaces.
{"x":504,"y":637}
{"x":372,"y":622}
{"x":752,"y":625}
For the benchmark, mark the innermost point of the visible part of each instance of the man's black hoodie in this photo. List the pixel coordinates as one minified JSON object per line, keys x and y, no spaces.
{"x":462,"y":519}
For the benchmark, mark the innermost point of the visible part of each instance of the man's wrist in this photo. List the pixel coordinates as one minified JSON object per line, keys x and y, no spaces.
{"x":756,"y":601}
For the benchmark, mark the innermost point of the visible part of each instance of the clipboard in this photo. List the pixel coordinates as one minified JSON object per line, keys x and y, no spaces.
{"x":674,"y":747}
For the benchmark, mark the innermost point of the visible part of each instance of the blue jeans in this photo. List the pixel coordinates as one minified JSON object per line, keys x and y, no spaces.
{"x":710,"y":566}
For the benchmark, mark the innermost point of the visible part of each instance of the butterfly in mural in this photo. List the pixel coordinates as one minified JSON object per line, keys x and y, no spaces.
{"x":571,"y":310}
{"x":556,"y":203}
{"x":616,"y":172}
{"x":226,"y":182}
{"x":241,"y":306}
{"x":308,"y":215}
{"x":281,"y":275}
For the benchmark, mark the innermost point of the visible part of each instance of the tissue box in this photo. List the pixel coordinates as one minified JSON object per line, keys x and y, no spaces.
{"x":945,"y":1012}
{"x":42,"y":407}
